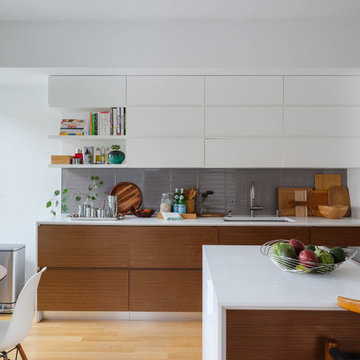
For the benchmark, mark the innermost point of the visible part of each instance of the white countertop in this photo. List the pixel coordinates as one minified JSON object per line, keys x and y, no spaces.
{"x":201,"y":221}
{"x":242,"y":278}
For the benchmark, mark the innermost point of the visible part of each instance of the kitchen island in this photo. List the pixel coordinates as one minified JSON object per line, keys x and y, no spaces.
{"x":252,"y":310}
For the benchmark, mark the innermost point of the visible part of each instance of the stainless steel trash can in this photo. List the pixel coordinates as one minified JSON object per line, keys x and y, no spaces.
{"x":12,"y":257}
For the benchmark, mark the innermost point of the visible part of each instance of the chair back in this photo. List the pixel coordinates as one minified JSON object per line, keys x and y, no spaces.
{"x":23,"y":314}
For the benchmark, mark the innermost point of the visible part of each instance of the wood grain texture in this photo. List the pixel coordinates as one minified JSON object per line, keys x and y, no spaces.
{"x":87,"y":290}
{"x":249,"y":235}
{"x":335,"y":236}
{"x":339,"y":195}
{"x":165,"y":290}
{"x":129,"y":195}
{"x":284,"y":335}
{"x":169,"y":247}
{"x":301,"y":195}
{"x":286,"y":200}
{"x":324,"y":181}
{"x":82,"y":246}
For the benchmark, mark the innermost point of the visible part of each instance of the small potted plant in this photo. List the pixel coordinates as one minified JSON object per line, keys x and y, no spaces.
{"x":116,"y":156}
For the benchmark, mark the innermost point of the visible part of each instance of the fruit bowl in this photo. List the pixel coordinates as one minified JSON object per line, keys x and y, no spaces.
{"x":294,"y":265}
{"x":142,"y":212}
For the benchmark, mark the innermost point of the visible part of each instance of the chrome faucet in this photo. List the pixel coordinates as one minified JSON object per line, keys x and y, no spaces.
{"x":253,"y":207}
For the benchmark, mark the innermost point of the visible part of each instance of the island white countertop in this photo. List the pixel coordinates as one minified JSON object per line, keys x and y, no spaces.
{"x":131,"y":220}
{"x":242,"y":278}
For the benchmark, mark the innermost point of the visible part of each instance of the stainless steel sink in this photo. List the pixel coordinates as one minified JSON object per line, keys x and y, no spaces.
{"x":258,"y":219}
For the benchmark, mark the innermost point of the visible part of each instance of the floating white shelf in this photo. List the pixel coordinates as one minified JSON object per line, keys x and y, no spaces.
{"x":86,"y":166}
{"x":87,"y":137}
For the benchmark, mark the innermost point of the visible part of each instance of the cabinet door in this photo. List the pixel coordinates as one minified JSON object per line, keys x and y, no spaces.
{"x":322,"y":90}
{"x":233,"y":121}
{"x":169,"y":247}
{"x":82,"y":246}
{"x":244,"y":152}
{"x":335,"y":236}
{"x":251,"y":235}
{"x":165,"y":90}
{"x":165,"y":290}
{"x":160,"y":152}
{"x":166,"y":121}
{"x":86,"y":91}
{"x":322,"y":121}
{"x":244,"y":90}
{"x":83,"y":290}
{"x":322,"y":152}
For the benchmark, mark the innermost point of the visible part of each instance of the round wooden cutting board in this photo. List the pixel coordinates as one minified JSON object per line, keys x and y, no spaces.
{"x":129,"y":196}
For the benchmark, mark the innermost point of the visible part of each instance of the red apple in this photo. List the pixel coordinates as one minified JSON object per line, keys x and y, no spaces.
{"x":308,"y":258}
{"x":297,"y":244}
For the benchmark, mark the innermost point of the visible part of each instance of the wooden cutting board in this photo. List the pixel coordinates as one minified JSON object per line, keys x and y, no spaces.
{"x":285,"y":197}
{"x":129,"y":195}
{"x":339,"y":195}
{"x":324,"y":181}
{"x":301,"y":195}
{"x":316,"y":198}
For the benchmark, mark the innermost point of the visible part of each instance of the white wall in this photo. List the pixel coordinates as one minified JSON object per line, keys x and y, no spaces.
{"x":241,"y":43}
{"x":25,"y":180}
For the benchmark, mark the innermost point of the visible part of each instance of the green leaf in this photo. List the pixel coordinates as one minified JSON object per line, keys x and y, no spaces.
{"x":101,"y":183}
{"x":88,"y":196}
{"x":56,"y":192}
{"x":89,"y":188}
{"x":64,"y":208}
{"x":65,"y":191}
{"x":92,"y":178}
{"x":96,"y":178}
{"x":93,"y":198}
{"x":48,"y":204}
{"x":53,"y":212}
{"x":78,"y":198}
{"x":56,"y":203}
{"x":64,"y":199}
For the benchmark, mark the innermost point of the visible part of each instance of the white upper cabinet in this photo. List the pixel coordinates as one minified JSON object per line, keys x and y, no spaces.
{"x":322,"y":152}
{"x":322,"y":90}
{"x":322,"y":121}
{"x":235,"y":121}
{"x":87,"y":91}
{"x":160,"y":152}
{"x":165,"y":90}
{"x":165,"y":121}
{"x":244,"y":152}
{"x":244,"y":90}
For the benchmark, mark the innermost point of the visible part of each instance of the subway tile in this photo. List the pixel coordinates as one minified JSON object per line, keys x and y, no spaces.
{"x":156,"y":182}
{"x":183,"y":178}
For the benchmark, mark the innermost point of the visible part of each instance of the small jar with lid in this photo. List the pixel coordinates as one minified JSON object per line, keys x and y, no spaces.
{"x":166,"y":202}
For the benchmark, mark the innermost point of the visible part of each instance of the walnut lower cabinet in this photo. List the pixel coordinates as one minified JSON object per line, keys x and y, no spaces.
{"x":121,"y":268}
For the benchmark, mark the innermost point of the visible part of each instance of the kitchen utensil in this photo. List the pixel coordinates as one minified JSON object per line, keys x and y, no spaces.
{"x":286,"y":198}
{"x":333,"y":211}
{"x":339,"y":195}
{"x":113,"y":205}
{"x":129,"y":195}
{"x":316,"y":198}
{"x":301,"y":210}
{"x":324,"y":181}
{"x":294,"y":265}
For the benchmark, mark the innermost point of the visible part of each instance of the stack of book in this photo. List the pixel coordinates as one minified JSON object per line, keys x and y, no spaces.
{"x":111,"y":122}
{"x":72,"y":127}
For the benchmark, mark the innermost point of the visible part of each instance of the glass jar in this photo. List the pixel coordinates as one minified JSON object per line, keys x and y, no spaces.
{"x":166,"y":202}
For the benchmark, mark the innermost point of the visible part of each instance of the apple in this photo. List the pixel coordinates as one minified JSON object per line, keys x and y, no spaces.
{"x":297,"y":244}
{"x":308,"y":258}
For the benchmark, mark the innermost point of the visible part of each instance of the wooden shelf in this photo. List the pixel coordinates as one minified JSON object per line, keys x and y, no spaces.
{"x":86,"y":166}
{"x":87,"y":137}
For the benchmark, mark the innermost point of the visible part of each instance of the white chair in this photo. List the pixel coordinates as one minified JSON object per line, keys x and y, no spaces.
{"x":13,"y":331}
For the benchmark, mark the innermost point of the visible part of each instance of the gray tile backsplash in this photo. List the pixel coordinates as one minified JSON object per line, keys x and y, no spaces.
{"x":231,"y":186}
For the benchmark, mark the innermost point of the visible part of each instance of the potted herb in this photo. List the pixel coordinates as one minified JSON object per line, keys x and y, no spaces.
{"x":116,"y":156}
{"x":61,"y":197}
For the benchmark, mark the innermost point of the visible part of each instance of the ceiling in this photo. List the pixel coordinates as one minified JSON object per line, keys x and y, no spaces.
{"x":176,"y":9}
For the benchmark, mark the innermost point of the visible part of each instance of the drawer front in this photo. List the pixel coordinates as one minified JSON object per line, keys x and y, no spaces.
{"x":335,"y":236}
{"x":249,"y":235}
{"x":83,"y":290}
{"x":165,"y":290}
{"x":169,"y":247}
{"x":82,"y":246}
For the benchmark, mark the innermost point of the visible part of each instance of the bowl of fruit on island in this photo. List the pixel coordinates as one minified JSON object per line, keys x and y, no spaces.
{"x":292,"y":255}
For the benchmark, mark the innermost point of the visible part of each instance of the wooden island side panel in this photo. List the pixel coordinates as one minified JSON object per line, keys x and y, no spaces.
{"x":335,"y":236}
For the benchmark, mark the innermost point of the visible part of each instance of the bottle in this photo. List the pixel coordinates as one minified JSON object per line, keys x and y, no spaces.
{"x":176,"y":201}
{"x":182,"y":203}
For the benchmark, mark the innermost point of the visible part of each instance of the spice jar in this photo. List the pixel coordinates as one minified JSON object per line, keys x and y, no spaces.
{"x":166,"y":202}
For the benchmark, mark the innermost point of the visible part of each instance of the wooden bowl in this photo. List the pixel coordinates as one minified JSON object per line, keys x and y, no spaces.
{"x":334,"y":211}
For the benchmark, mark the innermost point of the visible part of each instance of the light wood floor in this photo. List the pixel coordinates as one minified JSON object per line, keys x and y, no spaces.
{"x":140,"y":340}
